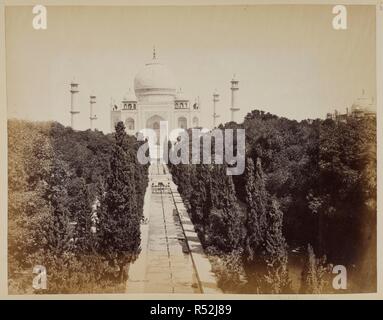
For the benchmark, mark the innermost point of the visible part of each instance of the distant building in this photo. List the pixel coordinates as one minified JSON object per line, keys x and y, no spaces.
{"x":362,"y":107}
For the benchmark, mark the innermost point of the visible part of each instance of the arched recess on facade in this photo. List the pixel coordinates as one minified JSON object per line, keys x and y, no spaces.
{"x":154,"y":123}
{"x":182,"y":123}
{"x":129,"y":124}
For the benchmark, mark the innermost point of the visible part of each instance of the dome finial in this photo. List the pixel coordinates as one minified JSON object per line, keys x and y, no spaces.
{"x":154,"y":52}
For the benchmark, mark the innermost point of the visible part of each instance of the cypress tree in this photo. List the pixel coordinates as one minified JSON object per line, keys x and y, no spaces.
{"x":276,"y":278}
{"x":256,"y":222}
{"x":225,"y":221}
{"x":199,"y":194}
{"x":58,"y":232}
{"x":119,"y":217}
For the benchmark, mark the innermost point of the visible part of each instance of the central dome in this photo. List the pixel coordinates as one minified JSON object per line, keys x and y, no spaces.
{"x":155,"y":78}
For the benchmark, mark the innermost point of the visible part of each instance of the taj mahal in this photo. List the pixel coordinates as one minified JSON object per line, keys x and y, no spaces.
{"x":155,"y":98}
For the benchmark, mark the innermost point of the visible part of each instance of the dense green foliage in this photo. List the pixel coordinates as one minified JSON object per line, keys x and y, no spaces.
{"x":119,"y":214}
{"x":60,"y":181}
{"x":306,"y":201}
{"x":309,"y":183}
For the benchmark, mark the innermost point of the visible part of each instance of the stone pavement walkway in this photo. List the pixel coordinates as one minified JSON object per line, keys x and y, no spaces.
{"x":165,"y":264}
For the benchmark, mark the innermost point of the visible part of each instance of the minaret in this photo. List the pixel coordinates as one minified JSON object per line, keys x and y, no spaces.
{"x":111,"y":103}
{"x":73,"y":103}
{"x":92,"y":117}
{"x":234,"y":89}
{"x":215,"y":100}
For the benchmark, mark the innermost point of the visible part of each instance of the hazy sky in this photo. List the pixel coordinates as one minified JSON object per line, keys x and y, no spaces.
{"x":288,"y":59}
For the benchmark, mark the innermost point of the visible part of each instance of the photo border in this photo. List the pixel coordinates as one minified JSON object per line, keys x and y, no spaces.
{"x":149,"y":296}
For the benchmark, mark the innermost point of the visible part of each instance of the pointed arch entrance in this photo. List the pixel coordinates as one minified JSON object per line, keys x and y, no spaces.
{"x":154,"y":123}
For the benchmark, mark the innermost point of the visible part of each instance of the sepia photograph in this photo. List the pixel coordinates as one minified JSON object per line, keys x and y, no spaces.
{"x":192,"y":149}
